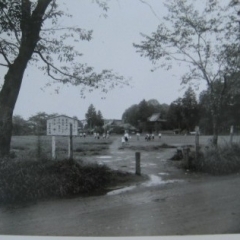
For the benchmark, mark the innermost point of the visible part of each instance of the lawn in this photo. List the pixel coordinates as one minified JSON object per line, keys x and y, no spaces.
{"x":29,"y":145}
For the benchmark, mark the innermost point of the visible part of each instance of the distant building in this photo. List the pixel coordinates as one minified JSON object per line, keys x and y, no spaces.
{"x":155,"y":122}
{"x":116,"y":122}
{"x":60,"y":126}
{"x":117,"y":126}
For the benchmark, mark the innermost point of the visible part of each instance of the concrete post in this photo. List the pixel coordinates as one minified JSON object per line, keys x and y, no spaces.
{"x":70,"y":145}
{"x":53,"y":147}
{"x":231,"y":134}
{"x":196,"y":143}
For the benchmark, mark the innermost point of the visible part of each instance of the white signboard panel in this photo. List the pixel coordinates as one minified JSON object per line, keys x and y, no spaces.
{"x":60,"y":126}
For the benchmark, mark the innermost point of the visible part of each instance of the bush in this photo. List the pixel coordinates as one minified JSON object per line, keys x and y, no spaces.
{"x":224,"y":159}
{"x":31,"y":180}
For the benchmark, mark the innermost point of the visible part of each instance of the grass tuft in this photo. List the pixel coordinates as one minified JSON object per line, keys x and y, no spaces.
{"x":22,"y":181}
{"x":224,"y":159}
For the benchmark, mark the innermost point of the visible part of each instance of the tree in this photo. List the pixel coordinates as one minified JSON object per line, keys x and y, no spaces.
{"x":20,"y":126}
{"x":138,"y":114}
{"x":175,"y":116}
{"x":30,"y":35}
{"x":190,"y":109}
{"x":91,"y":116}
{"x":130,"y":115}
{"x":230,"y":106}
{"x":100,"y":121}
{"x":203,"y":38}
{"x":38,"y":122}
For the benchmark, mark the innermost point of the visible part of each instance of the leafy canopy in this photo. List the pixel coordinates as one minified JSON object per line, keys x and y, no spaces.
{"x":56,"y":52}
{"x":203,"y":36}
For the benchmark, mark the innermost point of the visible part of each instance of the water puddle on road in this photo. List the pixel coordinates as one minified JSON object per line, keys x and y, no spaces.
{"x":104,"y":157}
{"x":163,"y":173}
{"x":121,"y":190}
{"x":154,"y":181}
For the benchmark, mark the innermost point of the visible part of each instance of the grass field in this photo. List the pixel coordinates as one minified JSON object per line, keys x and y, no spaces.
{"x":28,"y":145}
{"x":24,"y":178}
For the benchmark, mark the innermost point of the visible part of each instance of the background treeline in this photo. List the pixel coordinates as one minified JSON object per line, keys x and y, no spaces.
{"x":183,"y":114}
{"x":186,"y":112}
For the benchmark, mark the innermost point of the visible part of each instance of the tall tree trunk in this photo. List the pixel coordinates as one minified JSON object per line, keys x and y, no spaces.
{"x":8,"y":98}
{"x":31,"y":23}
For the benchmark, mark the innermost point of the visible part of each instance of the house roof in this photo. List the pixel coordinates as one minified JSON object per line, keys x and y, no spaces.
{"x":62,"y":116}
{"x":156,"y":117}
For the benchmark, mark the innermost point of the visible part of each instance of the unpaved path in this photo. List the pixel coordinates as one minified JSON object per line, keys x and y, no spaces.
{"x":174,"y":203}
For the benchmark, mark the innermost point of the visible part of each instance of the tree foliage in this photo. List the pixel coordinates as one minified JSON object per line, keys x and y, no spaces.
{"x":94,"y":118}
{"x":32,"y":33}
{"x":54,"y":52}
{"x":138,"y":114}
{"x":204,"y":38}
{"x":183,"y":113}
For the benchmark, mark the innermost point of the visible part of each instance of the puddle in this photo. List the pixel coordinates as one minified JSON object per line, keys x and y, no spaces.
{"x":148,"y":164}
{"x":121,"y":190}
{"x":162,"y":173}
{"x":155,"y":180}
{"x":104,"y":157}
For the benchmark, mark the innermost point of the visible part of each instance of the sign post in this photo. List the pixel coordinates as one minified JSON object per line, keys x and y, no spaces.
{"x":62,"y":126}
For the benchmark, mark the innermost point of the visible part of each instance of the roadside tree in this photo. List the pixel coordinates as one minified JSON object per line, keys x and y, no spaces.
{"x":20,"y":126}
{"x":203,"y":38}
{"x":31,"y":33}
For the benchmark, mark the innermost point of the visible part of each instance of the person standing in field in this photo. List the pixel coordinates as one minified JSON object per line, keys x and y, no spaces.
{"x":152,"y":136}
{"x":126,"y":136}
{"x":159,"y":135}
{"x":138,"y":136}
{"x":123,"y":140}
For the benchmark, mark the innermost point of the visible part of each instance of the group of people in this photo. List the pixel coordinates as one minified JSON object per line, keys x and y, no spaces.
{"x":98,"y":136}
{"x":82,"y":135}
{"x":148,"y":137}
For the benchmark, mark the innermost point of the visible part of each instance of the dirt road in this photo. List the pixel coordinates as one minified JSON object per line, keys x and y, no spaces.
{"x":171,"y":202}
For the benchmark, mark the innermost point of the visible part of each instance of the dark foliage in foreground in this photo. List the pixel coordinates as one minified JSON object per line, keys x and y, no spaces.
{"x":31,"y":180}
{"x":224,"y":159}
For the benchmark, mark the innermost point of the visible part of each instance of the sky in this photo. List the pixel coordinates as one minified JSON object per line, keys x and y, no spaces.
{"x":110,"y":48}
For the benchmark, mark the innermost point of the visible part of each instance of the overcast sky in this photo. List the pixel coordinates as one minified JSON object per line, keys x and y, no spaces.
{"x":111,"y":48}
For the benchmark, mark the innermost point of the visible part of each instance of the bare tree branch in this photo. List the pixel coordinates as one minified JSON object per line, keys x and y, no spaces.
{"x":4,"y":55}
{"x":12,"y":26}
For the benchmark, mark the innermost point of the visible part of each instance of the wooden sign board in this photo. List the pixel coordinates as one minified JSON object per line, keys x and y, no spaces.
{"x":60,"y":126}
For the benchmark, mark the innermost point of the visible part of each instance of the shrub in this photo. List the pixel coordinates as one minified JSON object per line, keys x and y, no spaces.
{"x":31,"y":180}
{"x":224,"y":159}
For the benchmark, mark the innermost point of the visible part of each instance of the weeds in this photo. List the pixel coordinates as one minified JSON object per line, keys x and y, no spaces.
{"x":224,"y":159}
{"x":32,"y":180}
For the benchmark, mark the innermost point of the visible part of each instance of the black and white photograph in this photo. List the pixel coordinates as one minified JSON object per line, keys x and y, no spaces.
{"x":119,"y":119}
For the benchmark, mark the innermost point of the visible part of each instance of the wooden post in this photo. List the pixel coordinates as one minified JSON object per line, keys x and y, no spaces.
{"x":53,"y":148}
{"x":186,"y":151}
{"x":70,"y":145}
{"x":231,"y":134}
{"x":196,"y":142}
{"x":138,"y":167}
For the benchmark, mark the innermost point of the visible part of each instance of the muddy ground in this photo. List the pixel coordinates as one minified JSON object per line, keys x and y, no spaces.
{"x":169,"y":201}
